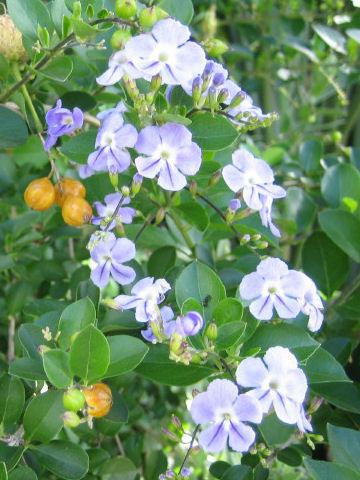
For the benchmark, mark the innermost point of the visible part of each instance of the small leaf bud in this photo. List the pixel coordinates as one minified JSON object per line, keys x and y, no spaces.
{"x":71,"y":419}
{"x":211,"y":331}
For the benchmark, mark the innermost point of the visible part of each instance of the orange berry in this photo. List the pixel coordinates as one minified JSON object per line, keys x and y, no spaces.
{"x":40,"y":194}
{"x":98,"y":399}
{"x":69,"y":186}
{"x":76,"y":211}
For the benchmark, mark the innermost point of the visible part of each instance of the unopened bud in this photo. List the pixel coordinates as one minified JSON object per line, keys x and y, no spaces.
{"x":156,"y":82}
{"x":119,"y":39}
{"x":176,"y":422}
{"x":197,"y":88}
{"x":193,"y":186}
{"x":196,"y":358}
{"x":256,"y":237}
{"x":131,"y":87}
{"x":245,"y":239}
{"x":109,"y":302}
{"x":261,"y":245}
{"x":168,"y":433}
{"x":216,"y":47}
{"x":161,"y":14}
{"x":237,"y":99}
{"x":206,"y":76}
{"x":160,"y":215}
{"x":211,"y":331}
{"x":114,"y":179}
{"x":177,"y":346}
{"x":148,"y":17}
{"x":125,"y":190}
{"x":215,"y":177}
{"x":218,"y":79}
{"x":136,"y":183}
{"x":43,"y":348}
{"x":223,"y":95}
{"x":125,"y":8}
{"x":71,"y":419}
{"x":212,"y":96}
{"x":195,"y":450}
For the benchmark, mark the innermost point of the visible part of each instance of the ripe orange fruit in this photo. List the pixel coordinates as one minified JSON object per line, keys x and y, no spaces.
{"x":76,"y":211}
{"x":40,"y":194}
{"x":69,"y":186}
{"x":98,"y":399}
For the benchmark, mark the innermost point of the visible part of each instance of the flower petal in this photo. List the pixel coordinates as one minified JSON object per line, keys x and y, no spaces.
{"x":286,"y":307}
{"x":222,"y":393}
{"x":262,"y":308}
{"x":234,"y":179}
{"x":122,"y":274}
{"x":100,"y":275}
{"x":286,"y":409}
{"x":148,"y":167}
{"x":170,"y":178}
{"x":213,"y":438}
{"x":248,"y":409}
{"x":201,"y":409}
{"x":251,"y":373}
{"x":171,"y":31}
{"x":127,"y":301}
{"x":241,"y":436}
{"x":123,"y":250}
{"x":251,"y":286}
{"x":188,"y":159}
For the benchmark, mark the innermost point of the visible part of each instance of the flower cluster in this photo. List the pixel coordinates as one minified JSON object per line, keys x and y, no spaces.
{"x":61,"y":121}
{"x":276,"y":382}
{"x":273,"y":285}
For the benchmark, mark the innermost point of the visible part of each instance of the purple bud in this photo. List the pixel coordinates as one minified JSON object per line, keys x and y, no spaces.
{"x":218,"y":79}
{"x":190,"y":324}
{"x":209,"y":67}
{"x":170,"y":474}
{"x":196,"y":88}
{"x":185,"y":472}
{"x":223,"y":95}
{"x":235,"y":204}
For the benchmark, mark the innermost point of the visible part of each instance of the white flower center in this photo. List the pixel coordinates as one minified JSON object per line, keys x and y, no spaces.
{"x":68,"y":120}
{"x":108,"y":140}
{"x":163,"y":57}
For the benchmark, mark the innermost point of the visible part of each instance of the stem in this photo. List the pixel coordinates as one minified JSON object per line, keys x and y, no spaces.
{"x":142,"y":229}
{"x":46,"y":58}
{"x":228,"y":370}
{"x":11,"y":334}
{"x":53,"y":166}
{"x":190,"y":447}
{"x":342,"y":299}
{"x":184,"y":233}
{"x":219,"y":112}
{"x":17,"y":75}
{"x":116,"y":211}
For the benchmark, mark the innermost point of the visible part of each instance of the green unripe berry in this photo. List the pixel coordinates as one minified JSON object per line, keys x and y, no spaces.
{"x":125,"y":8}
{"x":119,"y":38}
{"x":71,"y":419}
{"x":73,"y":399}
{"x":337,"y":136}
{"x":215,"y":47}
{"x":148,"y":17}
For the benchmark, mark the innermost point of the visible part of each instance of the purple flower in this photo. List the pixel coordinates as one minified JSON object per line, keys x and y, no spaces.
{"x":213,"y":75}
{"x":246,"y":108}
{"x":277,"y":382}
{"x":225,"y":411}
{"x":168,"y":325}
{"x":253,"y":176}
{"x":124,"y":215}
{"x":272,"y":285}
{"x":85,"y":171}
{"x":119,"y":109}
{"x":61,"y":121}
{"x":119,"y":65}
{"x":113,"y":136}
{"x":234,"y":204}
{"x":170,"y":153}
{"x":145,"y":297}
{"x":166,"y":51}
{"x":110,"y":253}
{"x":190,"y":324}
{"x":185,"y":472}
{"x":265,"y":214}
{"x":310,"y":303}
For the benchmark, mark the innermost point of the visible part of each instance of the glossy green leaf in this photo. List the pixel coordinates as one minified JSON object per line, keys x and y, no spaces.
{"x":31,"y":337}
{"x":200,"y":282}
{"x":229,"y":334}
{"x":345,"y":446}
{"x":212,"y":132}
{"x":183,"y":11}
{"x":344,"y":395}
{"x":157,"y":367}
{"x":339,"y":181}
{"x":3,"y":471}
{"x":58,"y":69}
{"x":27,"y":368}
{"x":118,"y":468}
{"x":155,"y":463}
{"x":78,"y":99}
{"x":228,"y":310}
{"x":321,"y":470}
{"x":42,"y":418}
{"x":90,"y":354}
{"x":344,"y":229}
{"x":238,"y":472}
{"x":322,"y":367}
{"x":12,"y":398}
{"x":31,"y":153}
{"x":125,"y":354}
{"x":74,"y":318}
{"x":23,"y":473}
{"x":28,"y":15}
{"x":10,"y":455}
{"x":311,"y":152}
{"x":13,"y":129}
{"x":274,"y":431}
{"x":331,"y":37}
{"x":57,"y":368}
{"x":298,"y":206}
{"x":63,"y":458}
{"x":161,"y":261}
{"x":324,"y":262}
{"x":79,"y":147}
{"x":193,"y":214}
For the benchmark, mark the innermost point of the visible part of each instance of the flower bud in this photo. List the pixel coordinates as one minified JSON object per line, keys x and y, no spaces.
{"x":212,"y":95}
{"x":262,"y":245}
{"x":73,"y":399}
{"x":215,"y":177}
{"x":256,"y":237}
{"x":237,"y":99}
{"x":156,"y":82}
{"x":71,"y":419}
{"x":223,"y":95}
{"x":114,"y":179}
{"x":148,"y":17}
{"x":196,"y":358}
{"x":197,"y":88}
{"x":195,"y":450}
{"x":216,"y":47}
{"x":161,"y":14}
{"x":176,"y":344}
{"x":125,"y":8}
{"x":206,"y":76}
{"x":136,"y":183}
{"x":168,"y":433}
{"x":119,"y":38}
{"x":131,"y":87}
{"x":245,"y":239}
{"x":193,"y":186}
{"x":218,"y":79}
{"x":11,"y":45}
{"x":176,"y":422}
{"x":108,"y":302}
{"x":125,"y":190}
{"x":211,"y":331}
{"x":160,"y":215}
{"x":190,"y":324}
{"x":42,"y":349}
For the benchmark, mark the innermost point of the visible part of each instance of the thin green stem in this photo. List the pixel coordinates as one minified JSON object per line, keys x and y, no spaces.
{"x":190,"y":447}
{"x":17,"y":75}
{"x":184,"y":233}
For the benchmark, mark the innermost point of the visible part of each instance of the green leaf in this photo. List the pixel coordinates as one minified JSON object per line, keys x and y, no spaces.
{"x":200,"y":282}
{"x":118,"y":468}
{"x":228,"y":310}
{"x":331,"y":37}
{"x":194,"y":214}
{"x":289,"y":336}
{"x":58,"y":69}
{"x":78,"y":148}
{"x":57,"y":368}
{"x":42,"y":417}
{"x":218,"y":468}
{"x":229,"y":334}
{"x":298,"y":206}
{"x":74,"y":318}
{"x":27,"y":368}
{"x":125,"y":354}
{"x":155,"y":464}
{"x":324,"y":262}
{"x":322,"y":367}
{"x":63,"y":458}
{"x":274,"y":431}
{"x":58,"y":10}
{"x":238,"y":472}
{"x":161,"y":261}
{"x":22,"y":473}
{"x":31,"y":337}
{"x":13,"y":129}
{"x":83,"y":30}
{"x":157,"y":367}
{"x":17,"y":296}
{"x":340,"y":181}
{"x":3,"y":471}
{"x":28,"y":15}
{"x":345,"y":446}
{"x":321,"y":470}
{"x":31,"y":153}
{"x":12,"y":399}
{"x":311,"y":152}
{"x":10,"y":455}
{"x":212,"y":132}
{"x":171,"y":117}
{"x":183,"y":11}
{"x":344,"y":229}
{"x":344,"y":395}
{"x":78,"y":99}
{"x":354,"y":33}
{"x":90,"y":354}
{"x":6,"y":262}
